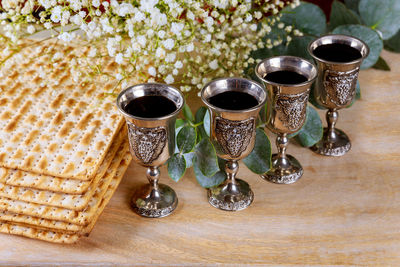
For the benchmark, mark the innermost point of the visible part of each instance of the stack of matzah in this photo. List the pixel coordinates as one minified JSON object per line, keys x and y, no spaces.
{"x":63,"y":147}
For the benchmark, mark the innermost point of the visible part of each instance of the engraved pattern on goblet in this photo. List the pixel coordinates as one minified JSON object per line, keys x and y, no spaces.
{"x":231,"y":206}
{"x":234,"y":136}
{"x":292,"y":110}
{"x":147,"y":143}
{"x":340,"y":85}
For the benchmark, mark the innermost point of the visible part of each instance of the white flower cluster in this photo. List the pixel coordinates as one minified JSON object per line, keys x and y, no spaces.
{"x":181,"y":42}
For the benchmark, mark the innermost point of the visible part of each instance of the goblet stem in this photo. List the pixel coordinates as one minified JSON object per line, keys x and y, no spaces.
{"x":331,"y":117}
{"x":231,"y":168}
{"x":281,"y":143}
{"x":153,"y":173}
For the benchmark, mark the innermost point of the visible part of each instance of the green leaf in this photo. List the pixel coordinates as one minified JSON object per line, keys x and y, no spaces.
{"x":205,"y":181}
{"x":259,"y":160}
{"x":262,"y":115}
{"x":393,"y":44}
{"x":307,"y":17}
{"x":358,"y":90}
{"x":176,"y":167}
{"x":352,"y":4}
{"x":200,"y":114}
{"x":179,"y":123}
{"x":298,"y":47}
{"x":198,"y":119}
{"x":186,"y":139}
{"x":206,"y":158}
{"x":189,"y":159}
{"x":382,"y":15}
{"x":369,"y":36}
{"x":341,"y":15}
{"x":207,"y":122}
{"x":312,"y":130}
{"x":381,"y":65}
{"x":187,"y":113}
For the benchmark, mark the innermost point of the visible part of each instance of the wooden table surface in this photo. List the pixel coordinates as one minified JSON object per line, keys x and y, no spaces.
{"x":343,"y":211}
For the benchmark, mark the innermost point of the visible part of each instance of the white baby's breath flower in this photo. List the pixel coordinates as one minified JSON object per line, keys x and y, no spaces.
{"x":169,"y":79}
{"x":96,"y":3}
{"x":169,"y":43}
{"x":190,"y":47}
{"x":119,"y":58}
{"x":213,"y":64}
{"x":66,"y":36}
{"x":160,"y":53}
{"x":178,"y":64}
{"x":152,"y":71}
{"x":161,"y":34}
{"x":176,"y":28}
{"x":30,"y":29}
{"x":119,"y":76}
{"x":56,"y":14}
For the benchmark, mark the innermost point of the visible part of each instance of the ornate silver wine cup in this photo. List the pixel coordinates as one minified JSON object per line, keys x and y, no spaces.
{"x":233,"y":135}
{"x":334,"y":89}
{"x":286,"y":112}
{"x":152,"y":141}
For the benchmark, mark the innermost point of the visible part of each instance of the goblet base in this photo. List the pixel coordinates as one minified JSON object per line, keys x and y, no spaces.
{"x":152,"y":203}
{"x":231,"y":196}
{"x":336,"y":147}
{"x":283,"y":171}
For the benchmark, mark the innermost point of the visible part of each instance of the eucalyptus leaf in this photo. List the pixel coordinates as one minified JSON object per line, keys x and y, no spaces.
{"x":352,"y":4}
{"x":369,"y":36}
{"x":187,"y":113}
{"x":382,"y":15}
{"x":179,"y":123}
{"x":312,"y":130}
{"x":189,"y":159}
{"x":206,"y":158}
{"x":176,"y":167}
{"x":199,"y":119}
{"x":262,"y":115}
{"x":200,"y":114}
{"x":186,"y":139}
{"x":298,"y":47}
{"x":259,"y":160}
{"x":306,"y":17}
{"x":207,"y":122}
{"x":393,"y":44}
{"x":207,"y":182}
{"x":358,"y":90}
{"x":341,"y":15}
{"x":381,"y":64}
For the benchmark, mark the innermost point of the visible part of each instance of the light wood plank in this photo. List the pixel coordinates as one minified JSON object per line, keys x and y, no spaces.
{"x":343,"y":211}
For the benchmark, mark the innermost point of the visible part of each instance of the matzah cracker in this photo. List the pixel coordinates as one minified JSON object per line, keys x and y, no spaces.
{"x":57,"y":199}
{"x":20,"y":178}
{"x":49,"y":123}
{"x":61,"y":237}
{"x":61,"y":214}
{"x":31,"y":232}
{"x":51,"y":225}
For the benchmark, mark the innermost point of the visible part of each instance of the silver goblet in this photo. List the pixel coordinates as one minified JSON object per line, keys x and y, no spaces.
{"x":233,"y":135}
{"x":335,"y":88}
{"x":152,"y":141}
{"x":286,"y":111}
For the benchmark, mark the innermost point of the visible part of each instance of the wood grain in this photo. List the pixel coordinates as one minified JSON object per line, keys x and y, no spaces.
{"x":343,"y":211}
